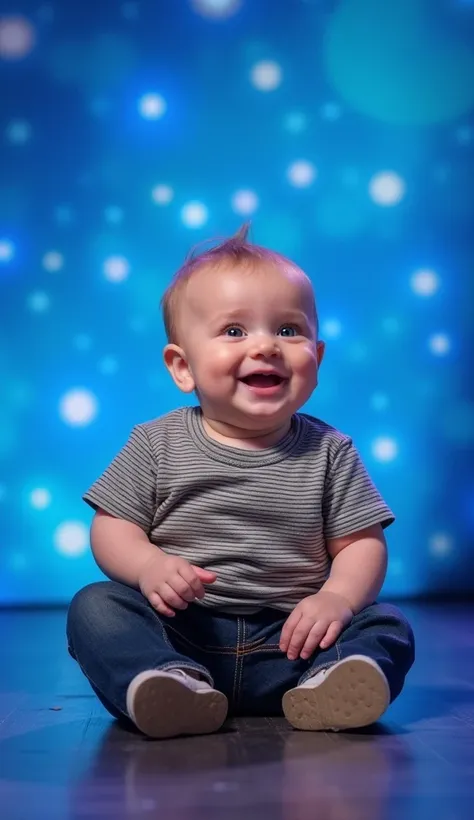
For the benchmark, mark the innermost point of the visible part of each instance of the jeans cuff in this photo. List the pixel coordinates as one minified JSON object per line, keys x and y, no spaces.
{"x":194,"y":667}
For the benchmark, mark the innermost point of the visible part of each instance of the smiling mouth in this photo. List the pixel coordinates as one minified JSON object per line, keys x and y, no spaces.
{"x":263,"y":380}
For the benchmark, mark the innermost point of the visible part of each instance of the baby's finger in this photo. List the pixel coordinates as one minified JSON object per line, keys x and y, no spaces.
{"x":288,"y":628}
{"x":181,"y":587}
{"x":171,"y":597}
{"x":312,"y":641}
{"x":157,"y":603}
{"x":187,"y":573}
{"x":297,"y":641}
{"x":332,"y":634}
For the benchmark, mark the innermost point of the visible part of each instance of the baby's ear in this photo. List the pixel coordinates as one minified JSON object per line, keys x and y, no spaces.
{"x":175,"y":361}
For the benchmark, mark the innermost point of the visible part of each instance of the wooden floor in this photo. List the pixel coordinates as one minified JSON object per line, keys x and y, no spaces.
{"x":61,"y":756}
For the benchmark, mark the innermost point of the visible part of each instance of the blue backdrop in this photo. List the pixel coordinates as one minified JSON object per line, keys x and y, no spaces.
{"x":131,"y":131}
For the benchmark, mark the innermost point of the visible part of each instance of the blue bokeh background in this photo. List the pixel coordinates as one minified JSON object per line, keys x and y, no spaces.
{"x":131,"y":131}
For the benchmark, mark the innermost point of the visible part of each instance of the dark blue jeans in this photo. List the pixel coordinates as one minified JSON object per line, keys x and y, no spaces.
{"x":114,"y":633}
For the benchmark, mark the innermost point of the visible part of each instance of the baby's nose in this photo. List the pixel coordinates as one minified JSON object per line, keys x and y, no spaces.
{"x":265,"y":346}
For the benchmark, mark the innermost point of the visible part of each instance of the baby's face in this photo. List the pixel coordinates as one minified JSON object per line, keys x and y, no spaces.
{"x":249,"y":338}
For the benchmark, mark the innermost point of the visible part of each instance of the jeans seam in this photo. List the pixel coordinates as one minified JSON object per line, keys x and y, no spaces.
{"x":237,"y":660}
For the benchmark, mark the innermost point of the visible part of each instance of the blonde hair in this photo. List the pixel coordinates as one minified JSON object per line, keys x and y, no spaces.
{"x":236,"y":248}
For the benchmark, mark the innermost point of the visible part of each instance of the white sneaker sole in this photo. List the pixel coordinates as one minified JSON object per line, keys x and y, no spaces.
{"x":161,"y":706}
{"x":352,"y":694}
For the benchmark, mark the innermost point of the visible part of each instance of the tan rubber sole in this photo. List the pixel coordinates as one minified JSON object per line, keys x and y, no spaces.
{"x":164,"y":707}
{"x":353,"y":693}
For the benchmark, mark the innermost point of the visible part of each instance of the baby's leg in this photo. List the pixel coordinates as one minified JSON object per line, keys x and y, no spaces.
{"x":352,"y":683}
{"x":123,"y":649}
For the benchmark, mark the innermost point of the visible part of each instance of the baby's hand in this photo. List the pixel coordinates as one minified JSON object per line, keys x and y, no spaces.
{"x":170,"y":581}
{"x":316,"y":621}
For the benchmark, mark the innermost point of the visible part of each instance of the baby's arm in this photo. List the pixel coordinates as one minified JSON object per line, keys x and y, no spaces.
{"x":359,"y":564}
{"x":121,"y":548}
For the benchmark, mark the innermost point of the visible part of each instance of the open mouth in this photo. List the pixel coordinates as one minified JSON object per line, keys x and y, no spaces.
{"x":263,"y":380}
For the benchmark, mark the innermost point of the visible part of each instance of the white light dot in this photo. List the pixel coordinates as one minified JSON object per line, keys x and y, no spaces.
{"x":17,"y":37}
{"x":440,"y":544}
{"x":425,"y":282}
{"x":113,"y":215}
{"x":18,"y":132}
{"x":266,"y":75}
{"x":194,"y":214}
{"x":301,"y":173}
{"x":245,"y":202}
{"x":7,"y":250}
{"x":162,"y":194}
{"x":108,"y":366}
{"x":40,"y":498}
{"x":384,"y":449}
{"x":216,"y":9}
{"x":152,"y":106}
{"x":439,"y":344}
{"x":53,"y":261}
{"x":71,"y":538}
{"x":39,"y":301}
{"x":387,"y":188}
{"x":116,"y":268}
{"x":78,"y":407}
{"x":331,"y":329}
{"x":379,"y":401}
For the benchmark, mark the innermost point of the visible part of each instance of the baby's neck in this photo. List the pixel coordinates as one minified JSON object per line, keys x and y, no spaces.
{"x":245,"y":439}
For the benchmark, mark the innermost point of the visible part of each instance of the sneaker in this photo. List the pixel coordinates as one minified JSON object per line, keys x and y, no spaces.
{"x":351,"y":694}
{"x":170,"y":703}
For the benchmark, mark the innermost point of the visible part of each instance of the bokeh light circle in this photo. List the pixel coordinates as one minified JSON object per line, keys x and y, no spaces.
{"x":425,"y":282}
{"x":40,"y":498}
{"x":194,"y":214}
{"x":7,"y":250}
{"x":216,"y":9}
{"x":39,"y":301}
{"x":245,"y":202}
{"x":387,"y":188}
{"x":116,"y":268}
{"x":18,"y":132}
{"x":266,"y":75}
{"x":162,"y":194}
{"x":384,"y":449}
{"x":301,"y":174}
{"x":78,"y":407}
{"x":17,"y":37}
{"x":152,"y":106}
{"x":53,"y":261}
{"x":439,"y":344}
{"x":331,"y":329}
{"x":71,"y":539}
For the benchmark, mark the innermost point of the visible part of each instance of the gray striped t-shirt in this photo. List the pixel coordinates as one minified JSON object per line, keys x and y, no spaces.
{"x":259,"y":519}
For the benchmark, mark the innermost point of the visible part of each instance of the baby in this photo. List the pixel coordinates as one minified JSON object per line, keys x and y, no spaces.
{"x":244,"y":539}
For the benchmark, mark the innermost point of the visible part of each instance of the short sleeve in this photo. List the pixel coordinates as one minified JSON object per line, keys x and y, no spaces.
{"x":127,"y":488}
{"x":351,"y":501}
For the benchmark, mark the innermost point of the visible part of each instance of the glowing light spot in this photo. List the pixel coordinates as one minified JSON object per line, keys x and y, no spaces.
{"x":379,"y":401}
{"x":71,"y":539}
{"x":194,"y":214}
{"x":216,"y":9}
{"x":18,"y":132}
{"x":266,"y":75}
{"x":245,"y":202}
{"x":116,"y":268}
{"x":296,"y":122}
{"x":425,"y":282}
{"x":113,"y":215}
{"x":40,"y":498}
{"x":440,"y":544}
{"x":17,"y":37}
{"x":331,"y":111}
{"x":384,"y":449}
{"x":439,"y":344}
{"x":152,"y":106}
{"x":53,"y":261}
{"x":331,"y":328}
{"x":39,"y":301}
{"x":78,"y":407}
{"x":301,"y":174}
{"x":162,"y":194}
{"x":108,"y":366}
{"x":387,"y":188}
{"x":7,"y":250}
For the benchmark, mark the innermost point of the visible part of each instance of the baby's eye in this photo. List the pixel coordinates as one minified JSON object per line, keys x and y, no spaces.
{"x":289,"y":330}
{"x":233,"y":332}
